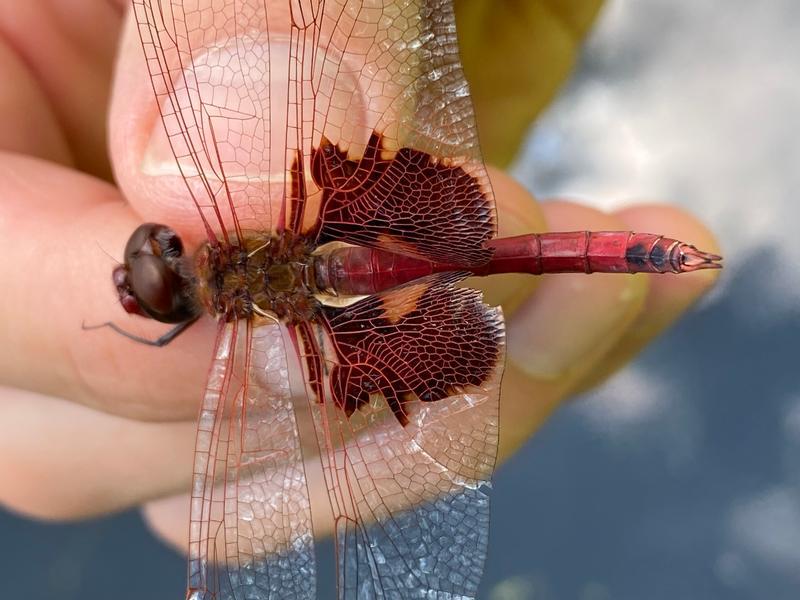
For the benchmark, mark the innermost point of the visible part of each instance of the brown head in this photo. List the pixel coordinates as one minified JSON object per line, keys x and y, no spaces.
{"x":155,"y":279}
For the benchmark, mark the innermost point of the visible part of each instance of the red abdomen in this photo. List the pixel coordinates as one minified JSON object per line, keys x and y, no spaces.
{"x":356,"y":270}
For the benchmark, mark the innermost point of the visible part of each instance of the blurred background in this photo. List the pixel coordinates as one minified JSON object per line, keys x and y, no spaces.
{"x":680,"y":477}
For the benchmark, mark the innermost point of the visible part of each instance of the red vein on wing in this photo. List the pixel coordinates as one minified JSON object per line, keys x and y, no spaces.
{"x":354,"y":482}
{"x":236,"y":226}
{"x":177,"y":114}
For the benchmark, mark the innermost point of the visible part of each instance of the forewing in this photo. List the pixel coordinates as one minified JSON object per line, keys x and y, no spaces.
{"x":407,"y":426}
{"x":250,"y":532}
{"x":355,"y":111}
{"x":394,"y":157}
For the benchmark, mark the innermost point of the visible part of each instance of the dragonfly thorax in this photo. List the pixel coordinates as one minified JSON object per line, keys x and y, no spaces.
{"x":266,"y":275}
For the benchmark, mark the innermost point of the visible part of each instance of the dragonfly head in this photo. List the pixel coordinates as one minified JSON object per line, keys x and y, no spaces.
{"x":155,"y":280}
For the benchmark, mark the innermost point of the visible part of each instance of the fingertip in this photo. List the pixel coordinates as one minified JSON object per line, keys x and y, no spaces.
{"x":518,"y":211}
{"x":176,"y":164}
{"x":670,"y":295}
{"x":152,"y":186}
{"x":573,"y":318}
{"x":563,"y":331}
{"x":672,"y":220}
{"x":168,"y":519}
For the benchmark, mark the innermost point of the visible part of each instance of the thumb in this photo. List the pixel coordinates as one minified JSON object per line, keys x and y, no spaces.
{"x":215,"y":151}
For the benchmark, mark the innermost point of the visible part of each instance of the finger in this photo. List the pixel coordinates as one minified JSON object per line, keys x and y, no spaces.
{"x":517,"y":213}
{"x":556,"y":337}
{"x":168,"y":519}
{"x":669,"y":296}
{"x":28,"y":124}
{"x":69,"y":48}
{"x":56,"y":275}
{"x":59,"y":460}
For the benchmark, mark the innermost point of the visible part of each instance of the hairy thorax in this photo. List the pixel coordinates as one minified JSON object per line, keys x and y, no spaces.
{"x":266,"y":275}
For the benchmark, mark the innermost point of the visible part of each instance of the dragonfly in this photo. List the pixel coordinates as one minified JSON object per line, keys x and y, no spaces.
{"x":330,"y":150}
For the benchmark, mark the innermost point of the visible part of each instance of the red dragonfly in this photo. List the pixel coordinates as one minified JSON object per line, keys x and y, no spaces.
{"x":330,"y":149}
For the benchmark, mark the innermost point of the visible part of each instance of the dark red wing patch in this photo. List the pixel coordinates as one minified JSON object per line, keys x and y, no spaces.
{"x":409,"y":203}
{"x":425,"y":340}
{"x":297,"y":193}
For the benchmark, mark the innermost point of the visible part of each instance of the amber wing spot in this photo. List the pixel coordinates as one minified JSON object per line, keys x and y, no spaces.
{"x":425,"y":340}
{"x":396,"y":306}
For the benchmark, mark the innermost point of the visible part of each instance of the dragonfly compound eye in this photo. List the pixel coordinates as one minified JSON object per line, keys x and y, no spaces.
{"x":155,"y":239}
{"x":154,"y":279}
{"x":154,"y":285}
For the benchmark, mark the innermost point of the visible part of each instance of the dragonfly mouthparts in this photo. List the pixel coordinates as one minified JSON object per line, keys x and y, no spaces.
{"x":693,"y":259}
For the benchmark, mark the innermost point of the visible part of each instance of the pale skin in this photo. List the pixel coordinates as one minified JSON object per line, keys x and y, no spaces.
{"x":93,"y":423}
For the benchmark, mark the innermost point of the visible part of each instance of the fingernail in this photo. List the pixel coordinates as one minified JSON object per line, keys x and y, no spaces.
{"x":216,"y":100}
{"x":571,"y":319}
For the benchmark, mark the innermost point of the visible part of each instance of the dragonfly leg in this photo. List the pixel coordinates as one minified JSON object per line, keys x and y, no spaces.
{"x":159,"y":342}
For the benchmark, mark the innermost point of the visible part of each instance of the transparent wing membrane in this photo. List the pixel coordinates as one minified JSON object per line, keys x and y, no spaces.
{"x":408,"y":435}
{"x":211,"y":65}
{"x":250,"y":531}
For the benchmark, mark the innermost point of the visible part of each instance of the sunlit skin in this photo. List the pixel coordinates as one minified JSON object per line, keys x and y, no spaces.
{"x":72,"y":399}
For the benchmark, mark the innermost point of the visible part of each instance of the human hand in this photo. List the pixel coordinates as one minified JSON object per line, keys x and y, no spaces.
{"x":95,"y":423}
